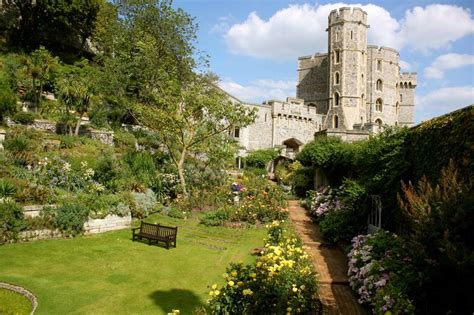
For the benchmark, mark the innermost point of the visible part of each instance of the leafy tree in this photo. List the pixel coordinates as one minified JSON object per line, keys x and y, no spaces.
{"x":51,"y":23}
{"x":189,"y":123}
{"x":39,"y":68}
{"x":261,"y":158}
{"x":75,"y":88}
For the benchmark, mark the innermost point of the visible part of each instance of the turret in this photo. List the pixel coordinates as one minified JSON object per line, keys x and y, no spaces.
{"x":347,"y":44}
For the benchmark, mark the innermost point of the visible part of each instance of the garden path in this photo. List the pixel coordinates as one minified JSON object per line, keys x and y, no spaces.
{"x":331,"y":264}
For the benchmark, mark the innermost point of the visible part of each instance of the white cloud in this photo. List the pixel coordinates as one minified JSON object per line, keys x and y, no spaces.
{"x":435,"y":26}
{"x":443,"y":101}
{"x":445,"y":62}
{"x":405,"y":65}
{"x":260,"y":90}
{"x":301,"y":30}
{"x":223,"y":24}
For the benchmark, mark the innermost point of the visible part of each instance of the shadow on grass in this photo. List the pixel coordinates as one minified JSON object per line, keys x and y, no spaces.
{"x":184,"y":300}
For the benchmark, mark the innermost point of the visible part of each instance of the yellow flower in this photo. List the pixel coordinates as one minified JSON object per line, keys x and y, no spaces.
{"x":289,"y":309}
{"x":214,"y":286}
{"x":295,"y":289}
{"x":234,"y":273}
{"x":253,"y":275}
{"x":247,"y":292}
{"x":211,"y":293}
{"x":217,"y":292}
{"x":240,"y":283}
{"x":231,"y":283}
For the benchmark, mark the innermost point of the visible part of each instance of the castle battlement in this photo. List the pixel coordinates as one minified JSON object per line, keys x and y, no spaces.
{"x":408,"y":79}
{"x":347,"y":14}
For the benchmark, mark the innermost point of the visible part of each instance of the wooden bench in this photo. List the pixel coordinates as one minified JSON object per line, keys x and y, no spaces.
{"x":156,"y":232}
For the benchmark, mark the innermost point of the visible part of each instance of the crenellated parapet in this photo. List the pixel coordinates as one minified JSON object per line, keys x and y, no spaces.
{"x":347,"y":14}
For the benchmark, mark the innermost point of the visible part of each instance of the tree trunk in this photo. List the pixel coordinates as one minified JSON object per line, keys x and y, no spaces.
{"x":181,"y":172}
{"x":78,"y":125}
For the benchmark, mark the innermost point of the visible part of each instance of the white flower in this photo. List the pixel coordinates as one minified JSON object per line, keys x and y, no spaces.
{"x":67,"y":167}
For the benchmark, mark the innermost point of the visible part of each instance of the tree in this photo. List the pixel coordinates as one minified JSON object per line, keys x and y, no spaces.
{"x":7,"y":98}
{"x":191,"y":121}
{"x":39,"y":67}
{"x":58,"y":25}
{"x":75,"y":88}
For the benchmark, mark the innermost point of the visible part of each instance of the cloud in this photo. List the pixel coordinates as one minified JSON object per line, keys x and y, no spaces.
{"x":445,"y":62}
{"x":299,"y":30}
{"x":443,"y":101}
{"x":259,"y":90}
{"x":435,"y":26}
{"x":405,"y":65}
{"x":223,"y":24}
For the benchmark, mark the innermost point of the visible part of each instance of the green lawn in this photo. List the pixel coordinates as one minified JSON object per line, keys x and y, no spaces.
{"x":110,"y":274}
{"x":12,"y":303}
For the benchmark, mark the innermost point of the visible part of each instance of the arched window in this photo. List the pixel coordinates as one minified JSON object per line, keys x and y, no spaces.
{"x":336,"y":99}
{"x":361,"y":120}
{"x":379,"y":65}
{"x":352,"y":35}
{"x":396,"y":85}
{"x":397,"y":108}
{"x":337,"y":56}
{"x":378,"y":105}
{"x":378,"y":85}
{"x":336,"y":78}
{"x":362,"y":101}
{"x":362,"y":77}
{"x":409,"y":85}
{"x":405,"y":85}
{"x":335,"y":122}
{"x":379,"y":123}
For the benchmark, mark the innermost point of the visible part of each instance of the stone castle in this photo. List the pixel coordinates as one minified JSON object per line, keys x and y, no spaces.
{"x":351,"y":92}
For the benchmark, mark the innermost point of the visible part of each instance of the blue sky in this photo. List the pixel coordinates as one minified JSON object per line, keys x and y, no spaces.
{"x":254,"y":44}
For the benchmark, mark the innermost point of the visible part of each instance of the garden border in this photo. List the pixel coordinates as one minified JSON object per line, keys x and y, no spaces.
{"x":20,"y":290}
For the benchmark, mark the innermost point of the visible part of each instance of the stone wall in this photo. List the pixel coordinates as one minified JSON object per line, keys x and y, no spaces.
{"x":109,"y":223}
{"x":44,"y":125}
{"x":34,"y":210}
{"x":2,"y":137}
{"x":92,"y":226}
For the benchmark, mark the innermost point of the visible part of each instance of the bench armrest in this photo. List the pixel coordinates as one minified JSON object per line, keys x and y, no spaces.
{"x":135,"y":228}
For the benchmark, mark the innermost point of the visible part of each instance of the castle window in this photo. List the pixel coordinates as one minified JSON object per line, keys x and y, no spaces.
{"x":237,"y":133}
{"x":361,"y":120}
{"x":397,"y":108}
{"x":409,"y":85}
{"x":336,"y":36}
{"x":378,"y":85}
{"x":378,"y":105}
{"x":337,"y":56}
{"x":336,"y":99}
{"x":405,"y":85}
{"x":401,"y":97}
{"x":335,"y":122}
{"x":379,"y":65}
{"x":379,"y":123}
{"x":352,"y":34}
{"x":362,"y":77}
{"x":362,"y":101}
{"x":336,"y":78}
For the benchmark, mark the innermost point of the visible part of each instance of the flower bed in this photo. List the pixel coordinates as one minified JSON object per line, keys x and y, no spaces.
{"x":282,"y":281}
{"x":380,"y":272}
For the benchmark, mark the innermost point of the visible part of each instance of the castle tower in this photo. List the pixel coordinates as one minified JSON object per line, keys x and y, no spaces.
{"x":347,"y":45}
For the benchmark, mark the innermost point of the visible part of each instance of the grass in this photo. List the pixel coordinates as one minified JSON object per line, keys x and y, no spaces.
{"x":13,"y":303}
{"x":108,"y":273}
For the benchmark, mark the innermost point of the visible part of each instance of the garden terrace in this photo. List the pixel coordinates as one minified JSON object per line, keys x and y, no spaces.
{"x":100,"y":274}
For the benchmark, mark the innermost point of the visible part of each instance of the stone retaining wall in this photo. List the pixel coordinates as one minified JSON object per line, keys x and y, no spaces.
{"x":34,"y":210}
{"x":111,"y":222}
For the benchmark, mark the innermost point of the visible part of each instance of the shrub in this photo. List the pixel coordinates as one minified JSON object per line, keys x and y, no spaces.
{"x":20,"y":149}
{"x":216,"y":218}
{"x":106,"y":170}
{"x":70,"y":218}
{"x":176,"y":213}
{"x":165,"y":186}
{"x":143,"y":203}
{"x":24,"y":118}
{"x":68,"y":142}
{"x":381,"y":273}
{"x":12,"y":221}
{"x":7,"y":189}
{"x":124,"y":140}
{"x":281,"y":281}
{"x":260,"y":158}
{"x":7,"y":99}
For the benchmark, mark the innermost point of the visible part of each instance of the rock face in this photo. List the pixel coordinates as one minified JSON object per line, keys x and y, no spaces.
{"x":351,"y":91}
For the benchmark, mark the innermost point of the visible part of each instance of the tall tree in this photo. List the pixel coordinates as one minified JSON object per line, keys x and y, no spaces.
{"x":190,"y":122}
{"x":75,"y":88}
{"x":39,"y":67}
